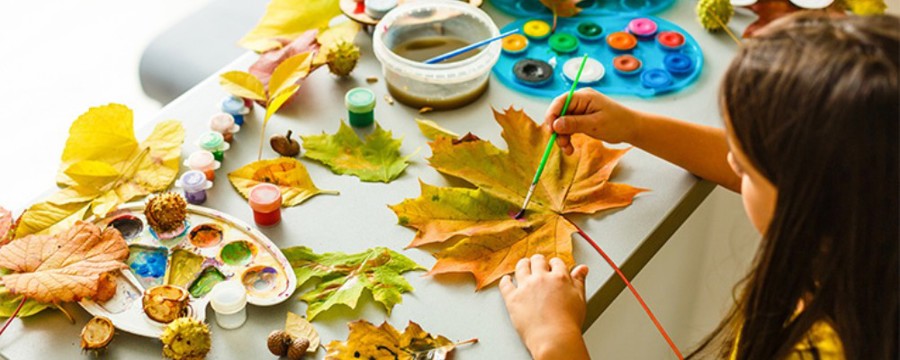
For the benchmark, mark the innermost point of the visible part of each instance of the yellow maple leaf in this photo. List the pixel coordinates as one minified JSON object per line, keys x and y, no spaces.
{"x":288,"y":174}
{"x":243,"y":84}
{"x":287,"y":19}
{"x":366,"y":341}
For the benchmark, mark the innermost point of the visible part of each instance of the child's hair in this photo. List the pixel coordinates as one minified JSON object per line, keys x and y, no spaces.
{"x":813,"y":103}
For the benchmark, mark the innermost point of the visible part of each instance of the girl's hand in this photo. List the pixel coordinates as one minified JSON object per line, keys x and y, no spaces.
{"x":547,"y":307}
{"x":593,"y":114}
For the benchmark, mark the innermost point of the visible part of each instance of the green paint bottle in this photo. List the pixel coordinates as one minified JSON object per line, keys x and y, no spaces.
{"x":360,"y":104}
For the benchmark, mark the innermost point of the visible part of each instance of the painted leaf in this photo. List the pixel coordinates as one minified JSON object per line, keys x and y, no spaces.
{"x":63,"y":267}
{"x":287,"y":19}
{"x":288,"y":73}
{"x":298,"y":327}
{"x":377,"y":158}
{"x":242,"y":84}
{"x":563,"y":8}
{"x":103,"y":166}
{"x":432,"y":130}
{"x":345,"y":276}
{"x":344,"y":32}
{"x":474,"y":230}
{"x":288,"y":174}
{"x":366,"y":341}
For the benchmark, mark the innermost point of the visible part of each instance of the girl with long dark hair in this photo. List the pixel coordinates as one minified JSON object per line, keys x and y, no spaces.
{"x":811,"y":109}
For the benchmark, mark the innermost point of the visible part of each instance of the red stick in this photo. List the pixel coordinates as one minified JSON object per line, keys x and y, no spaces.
{"x":13,"y":316}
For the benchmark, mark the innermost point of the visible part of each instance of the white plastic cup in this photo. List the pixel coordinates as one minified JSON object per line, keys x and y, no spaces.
{"x":229,"y":300}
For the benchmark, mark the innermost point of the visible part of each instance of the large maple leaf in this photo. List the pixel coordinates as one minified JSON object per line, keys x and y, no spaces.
{"x":64,"y":267}
{"x":474,"y":229}
{"x":366,"y":341}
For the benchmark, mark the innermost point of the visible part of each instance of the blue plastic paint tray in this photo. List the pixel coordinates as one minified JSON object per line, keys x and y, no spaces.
{"x":533,"y":8}
{"x":663,"y":70}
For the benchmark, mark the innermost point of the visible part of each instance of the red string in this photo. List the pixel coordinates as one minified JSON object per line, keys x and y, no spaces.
{"x":609,"y":261}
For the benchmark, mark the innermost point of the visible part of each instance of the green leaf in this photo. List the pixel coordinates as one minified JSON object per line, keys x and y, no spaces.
{"x":376,"y":159}
{"x":344,"y":277}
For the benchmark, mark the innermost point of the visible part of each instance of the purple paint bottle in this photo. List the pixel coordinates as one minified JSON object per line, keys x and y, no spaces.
{"x":195,"y":185}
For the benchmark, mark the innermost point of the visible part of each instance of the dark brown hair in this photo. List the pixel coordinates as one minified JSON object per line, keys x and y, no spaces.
{"x":813,"y":102}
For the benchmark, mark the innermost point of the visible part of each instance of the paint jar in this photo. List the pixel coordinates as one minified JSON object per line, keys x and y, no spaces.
{"x":448,"y":85}
{"x":621,"y":41}
{"x":229,"y":300}
{"x":215,"y":143}
{"x":236,"y":107}
{"x":265,"y":200}
{"x":205,"y":162}
{"x":195,"y":185}
{"x":360,"y":103}
{"x":376,"y":9}
{"x":643,"y":28}
{"x":223,"y":123}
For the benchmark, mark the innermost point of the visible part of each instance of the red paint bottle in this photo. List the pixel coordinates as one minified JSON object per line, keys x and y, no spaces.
{"x":265,"y":200}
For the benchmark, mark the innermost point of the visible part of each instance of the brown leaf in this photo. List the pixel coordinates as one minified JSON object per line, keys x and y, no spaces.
{"x":64,"y":267}
{"x":366,"y":341}
{"x":768,"y":10}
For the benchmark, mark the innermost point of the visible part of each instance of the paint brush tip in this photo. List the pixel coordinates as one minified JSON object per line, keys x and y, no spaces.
{"x":519,"y":215}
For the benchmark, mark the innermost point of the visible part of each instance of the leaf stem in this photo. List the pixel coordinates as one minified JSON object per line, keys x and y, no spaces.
{"x":13,"y":316}
{"x":725,"y":27}
{"x":466,"y":342}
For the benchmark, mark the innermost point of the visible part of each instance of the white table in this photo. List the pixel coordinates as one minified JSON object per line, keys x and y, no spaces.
{"x":359,"y":218}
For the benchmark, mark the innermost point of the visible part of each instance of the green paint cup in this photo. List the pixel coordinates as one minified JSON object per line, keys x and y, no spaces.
{"x":360,"y":104}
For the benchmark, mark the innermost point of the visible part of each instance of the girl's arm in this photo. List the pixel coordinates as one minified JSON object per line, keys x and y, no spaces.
{"x":702,"y":150}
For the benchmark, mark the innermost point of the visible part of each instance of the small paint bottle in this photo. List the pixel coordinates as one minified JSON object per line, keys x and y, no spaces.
{"x":235,"y":107}
{"x":203,"y":161}
{"x":195,"y":185}
{"x":215,"y":143}
{"x":223,"y":123}
{"x":229,"y":300}
{"x":377,"y":9}
{"x":360,"y":104}
{"x":265,"y":200}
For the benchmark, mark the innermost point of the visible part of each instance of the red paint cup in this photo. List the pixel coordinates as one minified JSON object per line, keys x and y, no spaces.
{"x":265,"y":200}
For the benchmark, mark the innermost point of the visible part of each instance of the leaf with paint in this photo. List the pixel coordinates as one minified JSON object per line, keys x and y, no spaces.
{"x":432,"y":130}
{"x":562,"y":8}
{"x":288,"y":174}
{"x":366,"y":341}
{"x":284,"y":20}
{"x":345,"y":276}
{"x":64,"y":267}
{"x":474,"y":229}
{"x":103,"y":166}
{"x":377,"y":158}
{"x":298,"y":327}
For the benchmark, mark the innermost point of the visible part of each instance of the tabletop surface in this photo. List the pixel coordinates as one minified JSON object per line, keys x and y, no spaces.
{"x":359,"y":219}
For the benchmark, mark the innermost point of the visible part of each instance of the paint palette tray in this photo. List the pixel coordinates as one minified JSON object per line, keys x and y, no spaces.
{"x":528,"y":8}
{"x":214,"y":247}
{"x":644,"y":56}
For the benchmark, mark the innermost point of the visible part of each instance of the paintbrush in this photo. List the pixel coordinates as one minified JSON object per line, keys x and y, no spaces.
{"x":468,"y":48}
{"x":537,"y":175}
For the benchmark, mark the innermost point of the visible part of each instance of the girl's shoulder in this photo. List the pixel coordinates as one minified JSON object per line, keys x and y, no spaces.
{"x":821,"y":342}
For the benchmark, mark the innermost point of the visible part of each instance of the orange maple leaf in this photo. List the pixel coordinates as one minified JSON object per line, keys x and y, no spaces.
{"x":474,"y":230}
{"x":64,"y":267}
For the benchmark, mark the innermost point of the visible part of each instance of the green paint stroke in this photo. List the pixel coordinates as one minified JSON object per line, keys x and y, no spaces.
{"x":237,"y":253}
{"x":184,"y":267}
{"x":205,"y":282}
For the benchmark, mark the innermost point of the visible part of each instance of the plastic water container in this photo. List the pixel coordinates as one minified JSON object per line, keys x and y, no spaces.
{"x":441,"y":86}
{"x":229,"y":301}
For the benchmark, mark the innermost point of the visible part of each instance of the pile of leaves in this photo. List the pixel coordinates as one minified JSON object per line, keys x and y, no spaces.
{"x":375,"y":159}
{"x":473,"y":230}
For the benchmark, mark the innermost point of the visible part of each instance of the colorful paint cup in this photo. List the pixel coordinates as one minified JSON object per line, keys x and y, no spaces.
{"x":589,"y":31}
{"x":593,"y":70}
{"x":360,"y":103}
{"x":223,"y":123}
{"x":563,"y":43}
{"x":265,"y":200}
{"x":235,"y":107}
{"x":229,"y":300}
{"x":643,"y":27}
{"x":656,"y":79}
{"x":514,"y":44}
{"x":195,"y":185}
{"x":627,"y":65}
{"x":621,"y":41}
{"x":678,"y":64}
{"x":204,"y":161}
{"x":536,"y":29}
{"x":533,"y":72}
{"x":670,"y":40}
{"x":215,"y":143}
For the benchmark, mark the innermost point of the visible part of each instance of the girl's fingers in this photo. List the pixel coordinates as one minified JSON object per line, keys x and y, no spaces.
{"x":563,"y":141}
{"x":506,"y":286}
{"x":523,"y":269}
{"x":579,"y":273}
{"x":539,"y":264}
{"x":557,"y":265}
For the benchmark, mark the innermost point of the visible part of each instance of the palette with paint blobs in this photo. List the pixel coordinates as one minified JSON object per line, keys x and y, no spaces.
{"x":644,"y":56}
{"x":213,"y":247}
{"x":526,"y":8}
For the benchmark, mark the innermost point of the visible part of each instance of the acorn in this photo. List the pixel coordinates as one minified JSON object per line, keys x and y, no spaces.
{"x":298,"y":348}
{"x":278,"y":342}
{"x":284,"y":145}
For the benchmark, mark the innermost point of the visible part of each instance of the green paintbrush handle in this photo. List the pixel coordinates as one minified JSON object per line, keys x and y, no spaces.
{"x":547,"y":150}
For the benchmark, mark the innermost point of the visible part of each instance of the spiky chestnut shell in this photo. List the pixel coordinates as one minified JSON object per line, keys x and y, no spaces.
{"x":186,"y":338}
{"x":166,"y":212}
{"x":342,"y":58}
{"x":714,"y":14}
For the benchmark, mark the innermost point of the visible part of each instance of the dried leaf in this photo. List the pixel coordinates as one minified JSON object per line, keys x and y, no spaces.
{"x":287,"y":74}
{"x":344,"y":277}
{"x":6,"y":226}
{"x":242,"y":84}
{"x":474,"y":229}
{"x":432,"y":130}
{"x":344,"y":32}
{"x":366,"y":341}
{"x":287,"y":19}
{"x":377,"y":158}
{"x":101,"y":143}
{"x":288,"y":174}
{"x":298,"y":327}
{"x":63,"y":267}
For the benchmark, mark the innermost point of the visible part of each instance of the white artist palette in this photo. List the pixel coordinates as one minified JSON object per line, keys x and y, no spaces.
{"x":214,"y":247}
